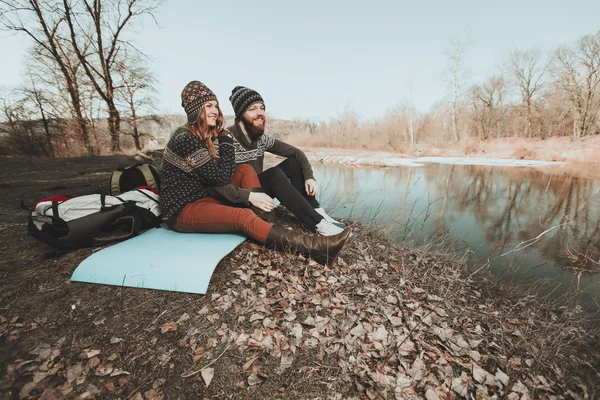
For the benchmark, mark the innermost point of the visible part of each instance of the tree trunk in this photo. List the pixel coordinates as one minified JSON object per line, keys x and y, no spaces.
{"x":114,"y":128}
{"x":454,"y":117}
{"x":47,"y":131}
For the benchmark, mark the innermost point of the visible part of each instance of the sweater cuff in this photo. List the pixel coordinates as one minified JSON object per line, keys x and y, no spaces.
{"x":308,"y":174}
{"x":225,"y":139}
{"x":245,"y":196}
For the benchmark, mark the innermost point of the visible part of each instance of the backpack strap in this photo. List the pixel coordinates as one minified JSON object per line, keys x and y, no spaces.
{"x":145,"y":170}
{"x":115,"y":178}
{"x":148,"y":196}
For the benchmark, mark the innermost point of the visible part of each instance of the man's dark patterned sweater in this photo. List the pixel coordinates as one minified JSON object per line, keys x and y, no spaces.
{"x":188,"y":171}
{"x":253,"y":153}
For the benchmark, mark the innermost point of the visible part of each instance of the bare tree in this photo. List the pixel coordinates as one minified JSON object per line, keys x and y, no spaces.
{"x":138,"y":94}
{"x":19,"y":126}
{"x":411,"y":112}
{"x":41,"y":102}
{"x":488,"y":108}
{"x":42,"y":22}
{"x":101,"y":25}
{"x":456,"y":76}
{"x":578,"y":73}
{"x":527,"y":71}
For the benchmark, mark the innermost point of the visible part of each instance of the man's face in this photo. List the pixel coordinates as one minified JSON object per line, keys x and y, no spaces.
{"x":254,"y":120}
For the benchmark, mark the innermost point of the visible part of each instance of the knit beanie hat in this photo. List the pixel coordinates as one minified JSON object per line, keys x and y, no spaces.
{"x":193,"y":97}
{"x":242,"y":98}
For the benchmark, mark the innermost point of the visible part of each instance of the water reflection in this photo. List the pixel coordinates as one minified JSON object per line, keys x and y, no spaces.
{"x":490,"y":211}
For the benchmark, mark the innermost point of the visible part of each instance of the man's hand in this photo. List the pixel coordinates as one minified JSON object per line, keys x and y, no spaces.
{"x":262,"y":201}
{"x":311,"y":187}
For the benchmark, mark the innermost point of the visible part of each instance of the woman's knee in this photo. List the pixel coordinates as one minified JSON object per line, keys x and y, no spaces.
{"x":244,"y":169}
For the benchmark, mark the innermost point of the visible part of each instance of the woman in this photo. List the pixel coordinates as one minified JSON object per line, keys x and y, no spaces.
{"x":201,"y":156}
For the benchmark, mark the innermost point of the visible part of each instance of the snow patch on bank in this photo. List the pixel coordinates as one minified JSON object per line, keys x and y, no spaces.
{"x":380,"y":160}
{"x":364,"y":161}
{"x":504,"y":162}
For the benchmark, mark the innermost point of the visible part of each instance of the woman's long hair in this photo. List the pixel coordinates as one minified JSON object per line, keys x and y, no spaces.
{"x":205,"y":132}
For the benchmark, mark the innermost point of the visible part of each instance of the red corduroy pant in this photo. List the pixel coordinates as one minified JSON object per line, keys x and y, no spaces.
{"x":211,"y":215}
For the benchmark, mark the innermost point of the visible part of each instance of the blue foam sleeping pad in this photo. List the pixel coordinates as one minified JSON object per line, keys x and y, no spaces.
{"x":159,"y":259}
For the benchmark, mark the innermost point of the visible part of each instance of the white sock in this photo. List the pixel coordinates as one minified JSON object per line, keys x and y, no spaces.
{"x":322,"y":212}
{"x":326,"y":228}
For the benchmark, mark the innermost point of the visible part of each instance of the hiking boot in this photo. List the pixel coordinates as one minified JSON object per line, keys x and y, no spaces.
{"x":326,"y":228}
{"x":324,"y":214}
{"x":322,"y":249}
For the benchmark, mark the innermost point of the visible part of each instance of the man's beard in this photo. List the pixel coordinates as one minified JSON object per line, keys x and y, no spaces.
{"x":255,"y":129}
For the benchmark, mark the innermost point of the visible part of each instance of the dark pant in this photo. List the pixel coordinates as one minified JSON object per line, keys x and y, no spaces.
{"x":286,"y":182}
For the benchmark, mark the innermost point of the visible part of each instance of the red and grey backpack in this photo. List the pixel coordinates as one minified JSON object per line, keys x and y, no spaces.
{"x":133,"y":177}
{"x":95,"y":219}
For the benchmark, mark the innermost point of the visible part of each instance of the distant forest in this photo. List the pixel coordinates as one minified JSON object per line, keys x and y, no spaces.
{"x":89,"y":91}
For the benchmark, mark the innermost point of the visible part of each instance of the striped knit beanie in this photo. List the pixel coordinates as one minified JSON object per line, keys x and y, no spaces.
{"x":193,"y":97}
{"x":242,"y":98}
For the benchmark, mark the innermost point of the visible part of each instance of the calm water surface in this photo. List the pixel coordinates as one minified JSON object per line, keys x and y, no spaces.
{"x":493,"y":214}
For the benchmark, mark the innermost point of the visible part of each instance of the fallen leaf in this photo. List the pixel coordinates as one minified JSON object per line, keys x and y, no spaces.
{"x":104,"y":369}
{"x":358,"y":330}
{"x":118,"y":372}
{"x":502,"y":377}
{"x":430,"y":394}
{"x":255,"y":317}
{"x":168,"y":327}
{"x":27,"y":389}
{"x":74,"y":372}
{"x":39,"y":376}
{"x":153,"y":394}
{"x":51,"y":394}
{"x":88,"y":353}
{"x":124,"y":380}
{"x":459,"y":385}
{"x":115,"y":340}
{"x":286,"y":362}
{"x":110,"y":386}
{"x":254,"y":379}
{"x":479,"y":373}
{"x":246,"y":367}
{"x":207,"y":375}
{"x":184,"y":317}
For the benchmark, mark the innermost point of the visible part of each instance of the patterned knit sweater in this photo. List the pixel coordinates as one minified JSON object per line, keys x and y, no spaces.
{"x":253,"y":152}
{"x":188,"y":171}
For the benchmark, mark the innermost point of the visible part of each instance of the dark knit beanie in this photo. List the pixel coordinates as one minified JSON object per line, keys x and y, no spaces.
{"x":193,"y":97}
{"x":242,"y":98}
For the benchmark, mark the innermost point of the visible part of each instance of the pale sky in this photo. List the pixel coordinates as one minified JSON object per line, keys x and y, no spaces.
{"x":317,"y":58}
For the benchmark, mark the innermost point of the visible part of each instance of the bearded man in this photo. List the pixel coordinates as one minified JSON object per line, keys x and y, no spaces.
{"x":292,"y":181}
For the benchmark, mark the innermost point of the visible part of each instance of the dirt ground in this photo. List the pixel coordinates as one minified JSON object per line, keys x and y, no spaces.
{"x":384,"y":322}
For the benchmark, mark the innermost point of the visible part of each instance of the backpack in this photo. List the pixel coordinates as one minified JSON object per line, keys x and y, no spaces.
{"x":129,"y":178}
{"x":95,"y":219}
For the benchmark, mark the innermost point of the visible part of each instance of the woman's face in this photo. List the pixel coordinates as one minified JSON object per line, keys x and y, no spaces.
{"x":211,"y":112}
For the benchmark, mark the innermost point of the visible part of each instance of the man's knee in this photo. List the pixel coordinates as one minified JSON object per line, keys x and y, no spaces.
{"x":275,"y":175}
{"x":291,"y":164}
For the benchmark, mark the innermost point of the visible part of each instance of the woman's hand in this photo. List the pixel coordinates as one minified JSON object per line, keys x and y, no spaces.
{"x":262,"y":201}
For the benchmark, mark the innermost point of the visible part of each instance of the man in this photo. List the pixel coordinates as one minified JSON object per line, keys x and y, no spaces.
{"x":292,"y":181}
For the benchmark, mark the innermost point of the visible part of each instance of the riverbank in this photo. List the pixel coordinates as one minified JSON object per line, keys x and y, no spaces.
{"x":579,"y":157}
{"x":384,"y":322}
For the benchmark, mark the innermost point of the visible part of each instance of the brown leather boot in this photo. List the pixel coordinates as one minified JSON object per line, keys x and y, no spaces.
{"x":322,"y":249}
